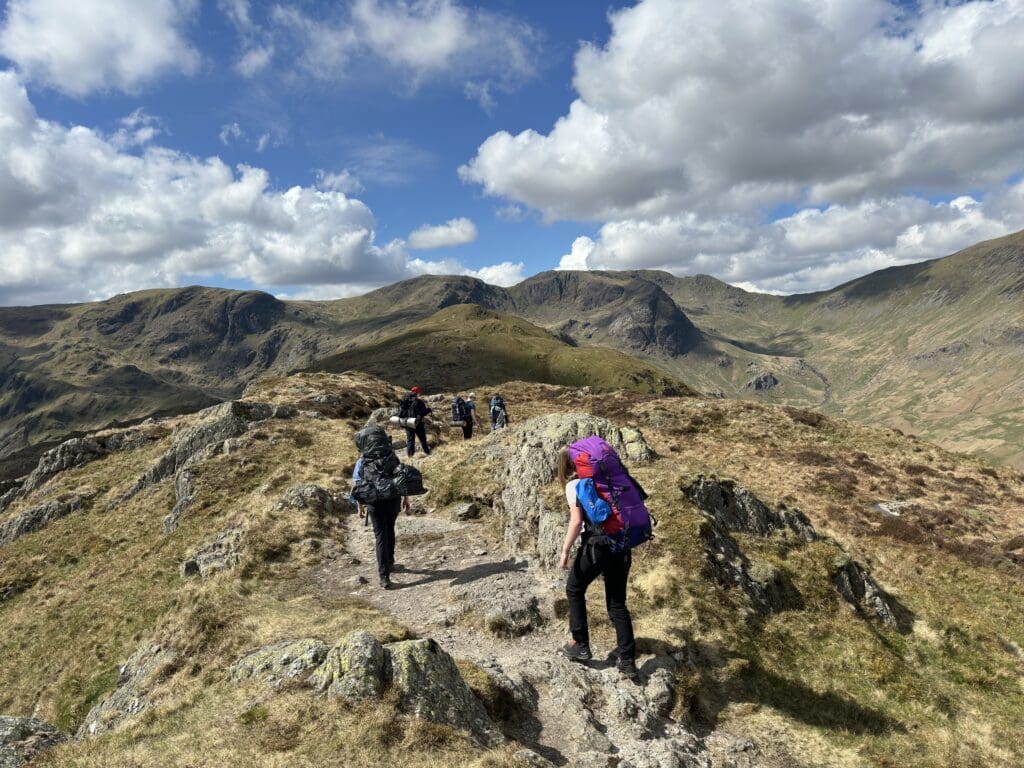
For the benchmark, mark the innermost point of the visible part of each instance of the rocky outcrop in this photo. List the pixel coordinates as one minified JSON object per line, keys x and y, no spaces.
{"x":736,"y":508}
{"x":731,"y":568}
{"x":275,"y":663}
{"x":533,"y":525}
{"x":729,"y":506}
{"x":221,"y":554}
{"x":22,"y":738}
{"x":853,"y":581}
{"x":38,"y":517}
{"x":146,"y":668}
{"x":77,"y":452}
{"x":421,"y":674}
{"x":313,"y":497}
{"x":353,"y":670}
{"x":602,"y":720}
{"x":430,"y":687}
{"x":763,"y":382}
{"x":193,"y":443}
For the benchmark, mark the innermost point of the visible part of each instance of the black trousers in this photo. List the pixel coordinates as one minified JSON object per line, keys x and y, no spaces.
{"x":383,"y":515}
{"x":594,"y":559}
{"x":467,"y":429}
{"x":410,"y":439}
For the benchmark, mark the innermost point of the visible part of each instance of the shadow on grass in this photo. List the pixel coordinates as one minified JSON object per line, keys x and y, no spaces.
{"x":750,"y":682}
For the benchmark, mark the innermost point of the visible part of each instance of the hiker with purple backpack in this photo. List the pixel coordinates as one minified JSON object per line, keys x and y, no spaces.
{"x":607,"y":505}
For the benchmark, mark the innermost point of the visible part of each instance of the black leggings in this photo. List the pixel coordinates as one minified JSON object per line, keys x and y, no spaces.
{"x":410,"y":439}
{"x":593,"y":559}
{"x":383,"y":515}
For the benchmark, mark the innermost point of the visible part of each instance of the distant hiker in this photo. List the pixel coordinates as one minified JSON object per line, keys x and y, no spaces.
{"x":499,"y":413}
{"x":606,"y":503}
{"x":474,"y":419}
{"x":412,"y":407}
{"x":464,"y":414}
{"x":382,"y":487}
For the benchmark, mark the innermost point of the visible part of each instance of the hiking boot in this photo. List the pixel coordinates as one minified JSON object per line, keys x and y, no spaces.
{"x":627,"y":668}
{"x":577,"y":652}
{"x":385,"y":582}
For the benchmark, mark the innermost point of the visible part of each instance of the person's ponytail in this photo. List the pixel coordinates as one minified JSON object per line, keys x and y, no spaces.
{"x":566,"y":467}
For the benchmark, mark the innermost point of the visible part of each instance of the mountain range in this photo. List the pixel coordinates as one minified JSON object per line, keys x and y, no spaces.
{"x":934,"y":348}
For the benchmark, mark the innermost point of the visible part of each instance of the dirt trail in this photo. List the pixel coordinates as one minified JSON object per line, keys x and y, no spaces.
{"x":443,"y":568}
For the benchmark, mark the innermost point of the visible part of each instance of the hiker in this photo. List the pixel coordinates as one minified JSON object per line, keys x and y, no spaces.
{"x":499,"y":413}
{"x":473,"y":417}
{"x":464,"y":414}
{"x":377,"y":459}
{"x":605,"y":543}
{"x":412,"y":407}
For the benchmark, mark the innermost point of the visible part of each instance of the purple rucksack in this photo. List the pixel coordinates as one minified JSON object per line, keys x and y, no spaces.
{"x":630,"y":522}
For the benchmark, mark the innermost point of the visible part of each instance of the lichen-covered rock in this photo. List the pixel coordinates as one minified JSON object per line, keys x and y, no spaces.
{"x":739,"y":510}
{"x":146,"y":667}
{"x":21,"y":738}
{"x":277,"y":662}
{"x":38,"y":517}
{"x":353,"y":669}
{"x":860,"y":590}
{"x":532,"y":525}
{"x":430,"y":687}
{"x":313,"y":497}
{"x":221,"y":554}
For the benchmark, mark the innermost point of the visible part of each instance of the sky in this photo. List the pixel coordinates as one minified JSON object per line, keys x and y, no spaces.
{"x":317,"y":150}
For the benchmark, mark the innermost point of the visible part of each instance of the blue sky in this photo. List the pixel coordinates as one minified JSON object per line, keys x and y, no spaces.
{"x":154,"y":142}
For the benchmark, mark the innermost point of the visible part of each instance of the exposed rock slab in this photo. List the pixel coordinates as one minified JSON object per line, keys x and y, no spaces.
{"x":146,"y":667}
{"x":286,"y":660}
{"x":430,"y":686}
{"x":601,"y":718}
{"x":532,"y":525}
{"x":21,"y":738}
{"x":221,"y":554}
{"x":38,"y":517}
{"x":315,"y":498}
{"x":353,"y":669}
{"x":739,"y":510}
{"x":76,"y":452}
{"x":763,"y":382}
{"x":856,"y":585}
{"x":192,"y":443}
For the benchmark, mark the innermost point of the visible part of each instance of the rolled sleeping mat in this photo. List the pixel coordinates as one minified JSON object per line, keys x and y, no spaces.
{"x":409,"y":423}
{"x":458,"y":423}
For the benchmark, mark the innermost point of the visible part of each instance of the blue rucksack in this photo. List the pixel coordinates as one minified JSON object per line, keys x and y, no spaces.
{"x":594,"y":507}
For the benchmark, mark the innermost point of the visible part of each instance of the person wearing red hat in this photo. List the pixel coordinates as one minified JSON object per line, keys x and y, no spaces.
{"x":412,"y":406}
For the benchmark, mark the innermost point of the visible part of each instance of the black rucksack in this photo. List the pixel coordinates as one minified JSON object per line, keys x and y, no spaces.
{"x":405,"y":406}
{"x":383,"y":476}
{"x":460,"y":413}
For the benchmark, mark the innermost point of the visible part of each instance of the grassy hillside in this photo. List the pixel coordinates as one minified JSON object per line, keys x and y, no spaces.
{"x":465,"y":345}
{"x":819,"y":683}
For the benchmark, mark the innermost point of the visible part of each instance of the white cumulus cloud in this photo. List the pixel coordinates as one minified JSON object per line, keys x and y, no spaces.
{"x":82,"y":218}
{"x":696,"y":120}
{"x":453,"y":232}
{"x":81,"y":46}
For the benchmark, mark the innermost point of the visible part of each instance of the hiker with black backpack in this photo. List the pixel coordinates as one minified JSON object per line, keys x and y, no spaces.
{"x":464,"y":414}
{"x":382,"y":488}
{"x":499,"y":413}
{"x":411,"y":407}
{"x":607,"y":513}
